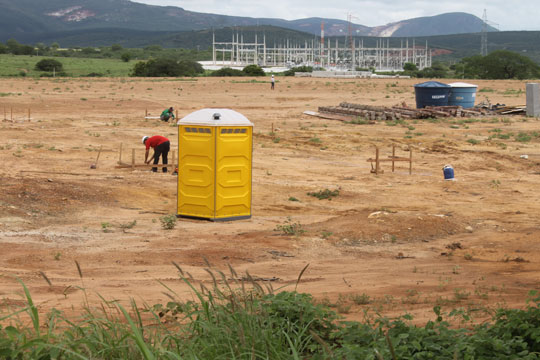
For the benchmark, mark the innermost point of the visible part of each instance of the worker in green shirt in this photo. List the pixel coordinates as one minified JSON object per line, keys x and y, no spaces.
{"x":167,"y":114}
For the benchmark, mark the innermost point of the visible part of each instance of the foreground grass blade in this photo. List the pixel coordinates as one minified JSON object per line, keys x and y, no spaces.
{"x":33,"y":312}
{"x":143,"y":347}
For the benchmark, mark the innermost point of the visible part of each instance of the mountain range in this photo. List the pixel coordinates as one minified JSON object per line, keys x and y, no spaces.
{"x":29,"y":19}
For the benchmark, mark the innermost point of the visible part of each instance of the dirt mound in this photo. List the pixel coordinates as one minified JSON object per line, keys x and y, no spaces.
{"x":45,"y":197}
{"x":384,"y":225}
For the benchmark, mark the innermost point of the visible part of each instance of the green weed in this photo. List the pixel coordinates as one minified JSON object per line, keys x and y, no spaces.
{"x":324,"y":194}
{"x":290,"y":227}
{"x":168,"y":222}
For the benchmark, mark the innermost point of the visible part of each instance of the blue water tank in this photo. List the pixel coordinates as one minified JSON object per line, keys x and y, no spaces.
{"x":431,"y":93}
{"x":462,"y":94}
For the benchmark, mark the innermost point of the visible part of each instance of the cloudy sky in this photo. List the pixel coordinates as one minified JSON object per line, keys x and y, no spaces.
{"x":508,"y":14}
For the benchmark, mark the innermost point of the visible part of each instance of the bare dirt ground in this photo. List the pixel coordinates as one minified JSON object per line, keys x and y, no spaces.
{"x":400,"y":242}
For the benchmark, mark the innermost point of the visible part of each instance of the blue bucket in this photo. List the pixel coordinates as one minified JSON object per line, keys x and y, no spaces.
{"x":448,"y":171}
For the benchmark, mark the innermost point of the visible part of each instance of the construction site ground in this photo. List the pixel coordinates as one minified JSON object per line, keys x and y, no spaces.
{"x":393,"y":242}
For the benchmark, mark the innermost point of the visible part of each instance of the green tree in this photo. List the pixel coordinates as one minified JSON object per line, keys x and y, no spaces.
{"x":13,"y":46}
{"x":126,"y":56}
{"x":166,"y":67}
{"x":26,"y":50}
{"x":437,"y":70}
{"x":190,"y":68}
{"x":291,"y":71}
{"x":40,"y":48}
{"x":49,"y":65}
{"x":153,"y":48}
{"x":228,"y":72}
{"x":253,"y":70}
{"x":89,"y":51}
{"x":116,"y":47}
{"x":410,"y":67}
{"x":501,"y":64}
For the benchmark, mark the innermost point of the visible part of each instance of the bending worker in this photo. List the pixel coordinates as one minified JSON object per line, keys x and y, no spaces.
{"x":161,"y":146}
{"x":167,"y":114}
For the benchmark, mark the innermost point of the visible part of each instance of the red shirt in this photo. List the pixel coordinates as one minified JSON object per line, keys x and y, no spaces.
{"x":155,"y":141}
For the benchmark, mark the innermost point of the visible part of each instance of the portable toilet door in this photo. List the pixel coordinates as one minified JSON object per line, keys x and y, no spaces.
{"x":215,"y":149}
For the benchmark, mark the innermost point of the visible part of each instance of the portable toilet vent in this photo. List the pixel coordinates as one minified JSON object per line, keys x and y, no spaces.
{"x":215,"y":149}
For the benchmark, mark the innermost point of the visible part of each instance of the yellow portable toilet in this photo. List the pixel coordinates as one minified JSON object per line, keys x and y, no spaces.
{"x":215,"y":149}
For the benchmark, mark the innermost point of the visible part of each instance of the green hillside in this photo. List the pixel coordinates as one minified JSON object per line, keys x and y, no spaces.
{"x":463,"y":45}
{"x":185,"y":39}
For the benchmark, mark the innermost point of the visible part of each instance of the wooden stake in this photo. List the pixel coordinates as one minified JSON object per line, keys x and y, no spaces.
{"x":133,"y":159}
{"x":5,"y":118}
{"x":28,"y":114}
{"x":11,"y":114}
{"x":145,"y":112}
{"x":272,"y":128}
{"x":393,"y":156}
{"x":99,"y":153}
{"x":176,"y":115}
{"x":173,"y":161}
{"x":120,"y":156}
{"x":410,"y":160}
{"x":376,"y":160}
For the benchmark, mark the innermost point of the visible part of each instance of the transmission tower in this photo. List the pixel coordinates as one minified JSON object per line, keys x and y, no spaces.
{"x":483,"y":42}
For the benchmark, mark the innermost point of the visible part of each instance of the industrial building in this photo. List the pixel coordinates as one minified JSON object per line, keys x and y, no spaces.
{"x":345,"y":54}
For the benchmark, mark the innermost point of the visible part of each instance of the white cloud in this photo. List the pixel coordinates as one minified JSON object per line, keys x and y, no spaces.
{"x":509,"y":14}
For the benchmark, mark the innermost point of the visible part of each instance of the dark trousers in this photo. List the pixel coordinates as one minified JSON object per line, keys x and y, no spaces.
{"x":163,"y":150}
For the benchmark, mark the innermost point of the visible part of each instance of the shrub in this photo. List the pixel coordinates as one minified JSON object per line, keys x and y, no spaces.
{"x":125,"y":57}
{"x":410,"y":67}
{"x":94,"y":74}
{"x":291,"y":71}
{"x":190,"y":68}
{"x":253,"y":70}
{"x":324,"y":194}
{"x":49,"y":65}
{"x":168,"y":222}
{"x":227,"y":72}
{"x":166,"y":67}
{"x":290,"y":228}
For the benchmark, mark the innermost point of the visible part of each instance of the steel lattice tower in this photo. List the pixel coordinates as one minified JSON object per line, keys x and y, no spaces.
{"x":483,"y":44}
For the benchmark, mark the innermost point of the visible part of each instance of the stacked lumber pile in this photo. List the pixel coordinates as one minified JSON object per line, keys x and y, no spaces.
{"x":370,"y":112}
{"x":511,"y":110}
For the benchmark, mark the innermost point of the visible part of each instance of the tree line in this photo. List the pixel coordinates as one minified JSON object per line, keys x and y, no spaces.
{"x":498,"y":65}
{"x":115,"y":51}
{"x":155,"y":60}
